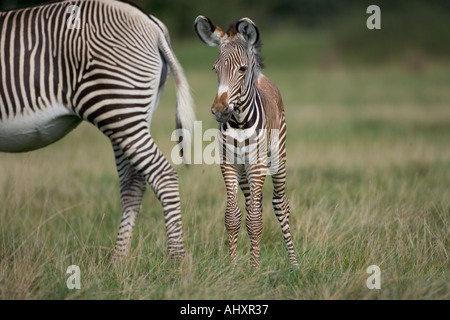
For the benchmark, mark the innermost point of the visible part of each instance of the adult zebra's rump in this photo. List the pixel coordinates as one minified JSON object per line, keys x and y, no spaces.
{"x":105,"y":62}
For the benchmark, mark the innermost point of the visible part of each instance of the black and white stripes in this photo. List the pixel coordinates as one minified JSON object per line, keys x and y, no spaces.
{"x":105,"y":62}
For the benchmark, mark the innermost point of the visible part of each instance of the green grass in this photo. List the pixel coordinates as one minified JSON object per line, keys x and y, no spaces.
{"x":368,"y":176}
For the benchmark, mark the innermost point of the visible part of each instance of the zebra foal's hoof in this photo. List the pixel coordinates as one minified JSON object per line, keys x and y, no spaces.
{"x":177,"y":255}
{"x":117,"y":255}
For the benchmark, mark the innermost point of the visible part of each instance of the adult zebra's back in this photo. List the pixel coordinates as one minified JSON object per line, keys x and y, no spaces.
{"x":105,"y":62}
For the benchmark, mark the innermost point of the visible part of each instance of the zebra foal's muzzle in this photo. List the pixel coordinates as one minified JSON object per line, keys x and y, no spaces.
{"x":221,"y":109}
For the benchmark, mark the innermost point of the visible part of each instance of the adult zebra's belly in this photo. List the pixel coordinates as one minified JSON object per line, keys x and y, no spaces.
{"x":27,"y":132}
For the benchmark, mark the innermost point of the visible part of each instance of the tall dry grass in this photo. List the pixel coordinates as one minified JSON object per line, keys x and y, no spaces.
{"x":368,"y":175}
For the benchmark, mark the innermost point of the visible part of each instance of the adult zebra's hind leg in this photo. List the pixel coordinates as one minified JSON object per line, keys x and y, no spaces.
{"x":164,"y":181}
{"x":146,"y":160}
{"x":132,"y":188}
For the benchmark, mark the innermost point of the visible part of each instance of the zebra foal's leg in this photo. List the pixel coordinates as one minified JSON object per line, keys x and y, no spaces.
{"x":282,"y":211}
{"x":232,"y":213}
{"x":132,"y":189}
{"x":254,"y":215}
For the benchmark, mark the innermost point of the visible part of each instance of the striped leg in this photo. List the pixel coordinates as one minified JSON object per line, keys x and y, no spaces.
{"x":163,"y":179}
{"x":233,"y":213}
{"x":254,"y":215}
{"x":243,"y":183}
{"x":146,"y":159}
{"x":281,"y":207}
{"x":132,"y":188}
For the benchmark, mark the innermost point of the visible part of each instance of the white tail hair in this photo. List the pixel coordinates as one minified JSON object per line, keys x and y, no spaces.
{"x":185,"y":115}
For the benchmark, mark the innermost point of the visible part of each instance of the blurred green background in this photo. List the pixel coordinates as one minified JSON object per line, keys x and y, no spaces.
{"x":414,"y":30}
{"x":368,"y":168}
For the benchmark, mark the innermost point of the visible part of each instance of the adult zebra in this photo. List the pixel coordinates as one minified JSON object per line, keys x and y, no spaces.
{"x":105,"y":62}
{"x":252,"y":131}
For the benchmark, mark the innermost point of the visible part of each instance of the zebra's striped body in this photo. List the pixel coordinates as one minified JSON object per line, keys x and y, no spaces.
{"x":252,"y":131}
{"x":105,"y":62}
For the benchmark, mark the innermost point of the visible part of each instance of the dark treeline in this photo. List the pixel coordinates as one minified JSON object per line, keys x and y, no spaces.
{"x":278,"y":14}
{"x":406,"y":25}
{"x":178,"y":15}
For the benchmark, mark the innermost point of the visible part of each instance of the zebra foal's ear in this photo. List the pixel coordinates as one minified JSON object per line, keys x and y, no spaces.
{"x":209,"y":33}
{"x":248,"y":30}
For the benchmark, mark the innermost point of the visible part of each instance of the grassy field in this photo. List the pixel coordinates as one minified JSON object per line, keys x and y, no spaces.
{"x":368,"y":183}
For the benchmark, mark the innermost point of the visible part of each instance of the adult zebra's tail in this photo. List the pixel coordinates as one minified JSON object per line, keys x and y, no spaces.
{"x":185,"y":105}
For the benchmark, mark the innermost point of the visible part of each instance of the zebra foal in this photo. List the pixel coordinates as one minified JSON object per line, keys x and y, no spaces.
{"x":252,"y":128}
{"x":105,"y":62}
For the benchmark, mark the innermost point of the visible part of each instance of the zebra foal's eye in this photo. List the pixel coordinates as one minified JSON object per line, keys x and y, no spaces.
{"x":243,"y":69}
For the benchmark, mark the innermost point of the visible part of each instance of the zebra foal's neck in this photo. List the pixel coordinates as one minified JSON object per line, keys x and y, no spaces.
{"x":249,"y":113}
